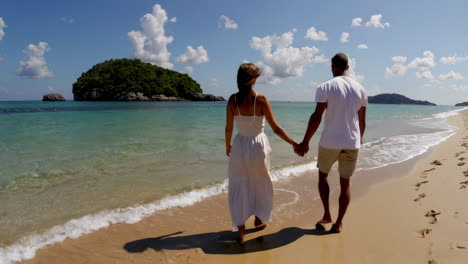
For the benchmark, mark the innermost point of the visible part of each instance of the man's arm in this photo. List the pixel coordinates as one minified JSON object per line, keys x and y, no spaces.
{"x":362,"y":120}
{"x":314,"y":122}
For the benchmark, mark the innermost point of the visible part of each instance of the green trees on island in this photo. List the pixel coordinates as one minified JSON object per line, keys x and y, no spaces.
{"x":112,"y":78}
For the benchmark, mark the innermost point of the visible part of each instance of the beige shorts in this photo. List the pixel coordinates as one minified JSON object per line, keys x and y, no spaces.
{"x":346,"y":158}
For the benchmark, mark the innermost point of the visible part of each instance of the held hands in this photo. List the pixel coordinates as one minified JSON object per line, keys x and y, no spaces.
{"x":228,"y":150}
{"x":301,"y":149}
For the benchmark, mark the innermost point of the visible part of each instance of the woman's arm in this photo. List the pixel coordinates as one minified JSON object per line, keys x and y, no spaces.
{"x":229,"y":125}
{"x":270,"y":117}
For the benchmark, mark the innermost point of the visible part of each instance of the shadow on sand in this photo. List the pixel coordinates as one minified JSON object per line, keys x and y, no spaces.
{"x":223,"y":242}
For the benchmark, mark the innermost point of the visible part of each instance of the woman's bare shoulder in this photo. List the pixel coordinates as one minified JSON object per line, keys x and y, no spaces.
{"x":232,"y":98}
{"x":261,"y":98}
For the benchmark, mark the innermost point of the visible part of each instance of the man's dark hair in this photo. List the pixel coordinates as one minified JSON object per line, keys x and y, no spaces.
{"x":340,"y":60}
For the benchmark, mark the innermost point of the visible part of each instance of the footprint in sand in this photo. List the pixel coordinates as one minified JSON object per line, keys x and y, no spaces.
{"x":458,"y":245}
{"x":463,"y":184}
{"x":433,"y":261}
{"x":465,"y":173}
{"x":461,"y":159}
{"x":461,"y":163}
{"x":431,"y":169}
{"x":419,"y":184}
{"x":436,"y":162}
{"x":434,"y":215}
{"x":420,"y":196}
{"x":424,"y":232}
{"x":459,"y":153}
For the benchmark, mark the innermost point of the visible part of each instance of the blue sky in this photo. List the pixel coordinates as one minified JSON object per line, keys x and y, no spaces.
{"x":416,"y":48}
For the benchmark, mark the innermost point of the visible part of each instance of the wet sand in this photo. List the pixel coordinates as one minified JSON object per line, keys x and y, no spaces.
{"x":419,"y":215}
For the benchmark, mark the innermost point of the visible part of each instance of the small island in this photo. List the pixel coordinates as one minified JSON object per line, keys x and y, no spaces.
{"x":395,"y":99}
{"x":53,"y":97}
{"x":134,"y":80}
{"x":462,"y":104}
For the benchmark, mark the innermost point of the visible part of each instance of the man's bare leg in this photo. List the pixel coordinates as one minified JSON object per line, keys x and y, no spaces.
{"x":324,"y":190}
{"x":345,"y":198}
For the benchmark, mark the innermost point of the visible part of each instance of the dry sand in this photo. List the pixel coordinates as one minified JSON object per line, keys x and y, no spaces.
{"x":420,"y":215}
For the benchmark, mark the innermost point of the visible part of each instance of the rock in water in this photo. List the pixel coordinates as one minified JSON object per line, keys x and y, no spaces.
{"x":132,"y":96}
{"x":203,"y":97}
{"x":53,"y":97}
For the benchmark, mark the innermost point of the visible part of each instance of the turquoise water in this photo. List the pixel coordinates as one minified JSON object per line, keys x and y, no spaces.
{"x":63,"y":160}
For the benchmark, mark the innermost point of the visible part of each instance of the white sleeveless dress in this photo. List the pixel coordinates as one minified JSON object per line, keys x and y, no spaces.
{"x":250,"y":190}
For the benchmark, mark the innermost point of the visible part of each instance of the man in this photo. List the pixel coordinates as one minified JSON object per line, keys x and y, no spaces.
{"x":345,"y":101}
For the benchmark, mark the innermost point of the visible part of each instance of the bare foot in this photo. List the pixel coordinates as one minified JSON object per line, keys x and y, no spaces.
{"x":336,"y":228}
{"x":319,"y":224}
{"x":259,"y":225}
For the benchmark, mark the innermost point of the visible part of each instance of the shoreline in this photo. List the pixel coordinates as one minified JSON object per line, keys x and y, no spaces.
{"x":292,"y":213}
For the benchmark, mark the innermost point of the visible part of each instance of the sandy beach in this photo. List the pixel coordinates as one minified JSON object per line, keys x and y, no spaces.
{"x":417,"y":215}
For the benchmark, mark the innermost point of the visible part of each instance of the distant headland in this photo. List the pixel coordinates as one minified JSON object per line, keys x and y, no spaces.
{"x":395,"y":99}
{"x":134,"y":80}
{"x":462,"y":104}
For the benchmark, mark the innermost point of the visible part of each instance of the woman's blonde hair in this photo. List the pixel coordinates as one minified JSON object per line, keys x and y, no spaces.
{"x":246,"y":77}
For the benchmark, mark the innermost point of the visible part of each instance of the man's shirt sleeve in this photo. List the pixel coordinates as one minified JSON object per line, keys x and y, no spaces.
{"x":321,"y":95}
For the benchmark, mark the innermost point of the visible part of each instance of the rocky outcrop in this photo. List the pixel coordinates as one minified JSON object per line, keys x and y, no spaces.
{"x":53,"y":97}
{"x":132,"y":96}
{"x":162,"y":97}
{"x":203,"y":97}
{"x":462,"y":104}
{"x":395,"y":99}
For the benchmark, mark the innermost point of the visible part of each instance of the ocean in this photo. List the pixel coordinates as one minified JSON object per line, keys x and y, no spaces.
{"x":70,"y":168}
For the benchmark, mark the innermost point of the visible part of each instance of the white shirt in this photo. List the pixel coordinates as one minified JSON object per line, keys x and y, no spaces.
{"x":344,"y":97}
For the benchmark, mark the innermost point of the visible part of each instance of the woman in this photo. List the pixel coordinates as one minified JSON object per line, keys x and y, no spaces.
{"x":250,"y":189}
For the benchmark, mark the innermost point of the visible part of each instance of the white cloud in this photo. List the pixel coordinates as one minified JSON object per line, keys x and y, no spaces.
{"x":268,"y":76}
{"x":36,"y":65}
{"x":2,"y":26}
{"x":344,"y":37}
{"x":452,"y":59}
{"x":320,"y":59}
{"x":313,"y":34}
{"x":451,"y":76}
{"x":67,"y":19}
{"x":399,"y":59}
{"x":173,"y":20}
{"x":228,"y":23}
{"x":425,"y":62}
{"x":362,"y":46}
{"x":356,"y":22}
{"x":352,"y":71}
{"x":150,"y":44}
{"x":189,"y":70}
{"x":375,"y":21}
{"x":284,"y":59}
{"x":425,"y":75}
{"x":398,"y":69}
{"x":194,"y":56}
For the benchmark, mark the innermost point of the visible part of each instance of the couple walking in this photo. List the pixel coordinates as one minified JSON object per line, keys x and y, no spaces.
{"x":250,"y":189}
